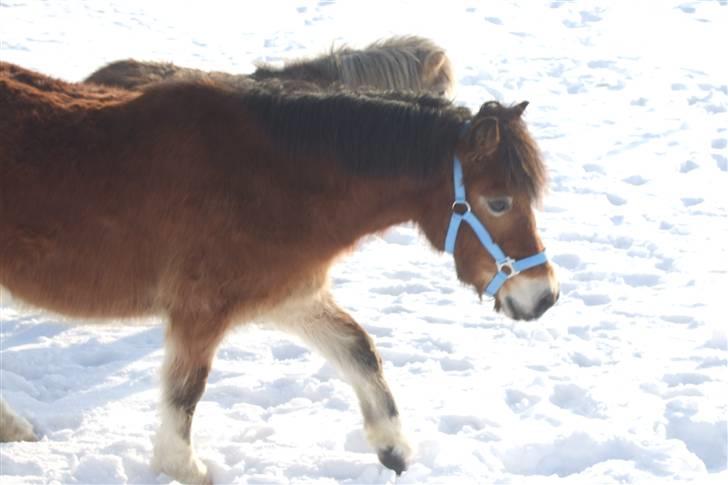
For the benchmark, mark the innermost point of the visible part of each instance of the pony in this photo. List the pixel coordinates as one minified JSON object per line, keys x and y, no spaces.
{"x":401,"y":63}
{"x":210,"y":207}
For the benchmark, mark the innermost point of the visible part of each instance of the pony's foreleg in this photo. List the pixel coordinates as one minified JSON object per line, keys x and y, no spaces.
{"x":189,"y":350}
{"x":14,"y":427}
{"x":347,"y":346}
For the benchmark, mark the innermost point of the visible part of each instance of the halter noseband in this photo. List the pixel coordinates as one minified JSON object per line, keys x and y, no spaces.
{"x":507,"y":266}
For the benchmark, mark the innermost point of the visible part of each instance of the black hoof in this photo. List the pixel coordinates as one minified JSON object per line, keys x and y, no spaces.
{"x":392,"y":460}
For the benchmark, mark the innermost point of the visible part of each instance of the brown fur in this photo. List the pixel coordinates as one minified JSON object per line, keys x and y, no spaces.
{"x":203,"y":204}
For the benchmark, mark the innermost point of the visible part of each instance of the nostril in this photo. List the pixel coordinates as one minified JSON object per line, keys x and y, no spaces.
{"x":546,"y":302}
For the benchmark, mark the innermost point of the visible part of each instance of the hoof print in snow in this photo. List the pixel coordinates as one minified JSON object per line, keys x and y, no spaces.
{"x":691,"y":201}
{"x":688,"y":166}
{"x":616,"y":200}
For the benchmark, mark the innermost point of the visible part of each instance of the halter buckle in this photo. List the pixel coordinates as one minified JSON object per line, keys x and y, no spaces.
{"x":507,"y":267}
{"x":461,"y":203}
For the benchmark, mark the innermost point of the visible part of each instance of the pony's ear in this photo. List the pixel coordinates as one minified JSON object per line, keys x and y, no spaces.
{"x":486,"y":135}
{"x":433,"y":63}
{"x":520,"y":108}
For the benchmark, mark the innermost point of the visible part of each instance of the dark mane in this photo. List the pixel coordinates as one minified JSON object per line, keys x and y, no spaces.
{"x":370,"y":133}
{"x":518,"y":153}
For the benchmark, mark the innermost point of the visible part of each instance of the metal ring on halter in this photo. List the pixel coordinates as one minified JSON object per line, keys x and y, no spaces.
{"x":508,"y":263}
{"x":463,"y":203}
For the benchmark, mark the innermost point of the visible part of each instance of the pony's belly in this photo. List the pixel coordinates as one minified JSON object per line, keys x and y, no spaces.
{"x":77,"y":301}
{"x":70,"y":288}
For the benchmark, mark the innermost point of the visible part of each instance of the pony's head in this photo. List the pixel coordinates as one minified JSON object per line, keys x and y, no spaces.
{"x":437,"y":74}
{"x":435,"y":69}
{"x":400,"y":63}
{"x":498,"y":176}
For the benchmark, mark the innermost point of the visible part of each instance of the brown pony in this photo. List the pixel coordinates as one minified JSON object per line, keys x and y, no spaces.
{"x":401,"y":63}
{"x":211,"y":207}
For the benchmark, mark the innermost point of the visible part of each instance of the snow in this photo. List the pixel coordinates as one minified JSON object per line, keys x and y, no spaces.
{"x":619,"y":382}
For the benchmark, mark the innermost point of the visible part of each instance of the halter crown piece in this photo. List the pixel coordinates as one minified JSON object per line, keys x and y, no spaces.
{"x":507,"y":266}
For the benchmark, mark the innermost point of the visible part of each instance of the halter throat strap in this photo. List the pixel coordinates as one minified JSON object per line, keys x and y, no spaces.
{"x":507,"y":266}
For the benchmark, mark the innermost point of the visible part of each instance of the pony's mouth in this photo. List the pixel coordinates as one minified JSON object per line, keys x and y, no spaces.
{"x":514,"y":311}
{"x":511,"y":309}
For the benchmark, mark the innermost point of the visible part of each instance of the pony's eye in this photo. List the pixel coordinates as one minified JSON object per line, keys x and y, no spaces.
{"x":500,"y":205}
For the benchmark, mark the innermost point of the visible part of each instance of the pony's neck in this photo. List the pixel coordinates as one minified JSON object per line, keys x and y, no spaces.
{"x":371,"y":205}
{"x":360,"y":162}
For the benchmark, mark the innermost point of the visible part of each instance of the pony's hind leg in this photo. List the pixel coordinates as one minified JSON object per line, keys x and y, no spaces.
{"x":347,"y":346}
{"x":14,"y":427}
{"x":190,"y":347}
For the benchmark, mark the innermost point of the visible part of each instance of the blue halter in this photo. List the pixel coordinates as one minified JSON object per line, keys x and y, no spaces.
{"x":507,"y":267}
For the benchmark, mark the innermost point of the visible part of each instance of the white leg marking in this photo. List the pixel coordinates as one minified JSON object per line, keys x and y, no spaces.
{"x":173,"y":455}
{"x":173,"y":452}
{"x":14,"y":427}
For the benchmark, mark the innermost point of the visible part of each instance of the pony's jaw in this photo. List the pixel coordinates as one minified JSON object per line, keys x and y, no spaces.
{"x":527,"y":298}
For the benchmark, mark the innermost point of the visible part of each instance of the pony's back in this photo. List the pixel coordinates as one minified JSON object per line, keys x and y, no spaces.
{"x":135,"y":75}
{"x":23,"y":86}
{"x":401,"y":63}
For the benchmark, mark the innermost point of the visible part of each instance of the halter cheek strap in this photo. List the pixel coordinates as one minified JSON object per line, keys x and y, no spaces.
{"x":507,"y":266}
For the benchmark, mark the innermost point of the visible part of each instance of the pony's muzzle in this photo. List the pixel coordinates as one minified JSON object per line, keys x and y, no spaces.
{"x":547,"y":301}
{"x":527,"y":298}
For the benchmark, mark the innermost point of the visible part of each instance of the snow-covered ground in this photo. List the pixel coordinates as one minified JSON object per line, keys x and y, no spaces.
{"x":619,"y":382}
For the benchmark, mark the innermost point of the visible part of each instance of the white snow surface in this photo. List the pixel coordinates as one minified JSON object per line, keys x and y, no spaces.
{"x":620,"y":382}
